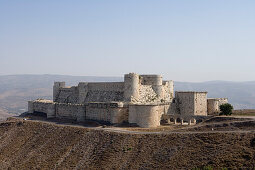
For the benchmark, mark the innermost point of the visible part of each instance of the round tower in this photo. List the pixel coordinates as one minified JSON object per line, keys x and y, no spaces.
{"x":131,"y":86}
{"x":156,"y":82}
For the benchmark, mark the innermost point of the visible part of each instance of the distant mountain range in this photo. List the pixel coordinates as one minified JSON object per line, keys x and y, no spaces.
{"x":16,"y":90}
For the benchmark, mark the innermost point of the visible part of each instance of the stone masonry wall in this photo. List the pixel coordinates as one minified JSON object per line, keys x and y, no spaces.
{"x":185,"y":103}
{"x":70,"y":111}
{"x":213,"y":105}
{"x":191,"y":103}
{"x":148,"y":95}
{"x":222,"y":101}
{"x":90,"y":92}
{"x":68,"y":95}
{"x":42,"y":106}
{"x":111,"y":86}
{"x":201,"y":104}
{"x":107,"y":112}
{"x":145,"y":115}
{"x":105,"y":92}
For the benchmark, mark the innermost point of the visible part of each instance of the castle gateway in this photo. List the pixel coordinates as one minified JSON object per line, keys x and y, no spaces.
{"x":144,"y":100}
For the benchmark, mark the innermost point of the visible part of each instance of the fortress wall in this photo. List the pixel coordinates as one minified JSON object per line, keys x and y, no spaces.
{"x":83,"y":91}
{"x":222,"y":101}
{"x":30,"y":107}
{"x":168,"y":90}
{"x":42,"y":107}
{"x":131,"y":86}
{"x":56,"y":87}
{"x":107,"y":112}
{"x":68,"y":95}
{"x":145,"y":115}
{"x":151,"y":79}
{"x":104,"y":92}
{"x":213,"y":105}
{"x":119,"y":115}
{"x":185,"y":103}
{"x":146,"y":95}
{"x":159,"y":90}
{"x":155,"y":81}
{"x":111,"y":86}
{"x":172,"y":109}
{"x":154,"y":93}
{"x":70,"y":111}
{"x":201,"y":103}
{"x":191,"y":103}
{"x":104,"y":96}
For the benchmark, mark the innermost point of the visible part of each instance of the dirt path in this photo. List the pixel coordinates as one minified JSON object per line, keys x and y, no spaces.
{"x":176,"y":131}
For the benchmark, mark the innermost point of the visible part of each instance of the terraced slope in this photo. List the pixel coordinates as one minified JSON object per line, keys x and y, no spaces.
{"x":39,"y":145}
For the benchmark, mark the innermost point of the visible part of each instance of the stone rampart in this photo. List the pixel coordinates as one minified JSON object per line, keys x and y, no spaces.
{"x":213,"y":105}
{"x":200,"y":104}
{"x":42,"y":106}
{"x":185,"y":103}
{"x":191,"y":103}
{"x":151,"y":80}
{"x":146,"y":115}
{"x":91,"y":92}
{"x":104,"y":96}
{"x":70,"y":111}
{"x":131,"y":86}
{"x":111,"y":86}
{"x":107,"y":112}
{"x":68,"y":95}
{"x":56,"y":87}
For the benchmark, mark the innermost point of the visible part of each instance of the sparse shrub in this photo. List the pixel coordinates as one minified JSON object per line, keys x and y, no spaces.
{"x":226,"y":109}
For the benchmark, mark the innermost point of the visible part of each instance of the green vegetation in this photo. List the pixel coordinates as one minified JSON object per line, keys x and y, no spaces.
{"x":226,"y":109}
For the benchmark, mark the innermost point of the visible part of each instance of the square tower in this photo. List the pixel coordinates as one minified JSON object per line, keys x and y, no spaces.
{"x":191,"y":103}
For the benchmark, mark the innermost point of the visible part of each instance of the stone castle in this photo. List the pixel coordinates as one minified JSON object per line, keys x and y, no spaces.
{"x":144,"y":100}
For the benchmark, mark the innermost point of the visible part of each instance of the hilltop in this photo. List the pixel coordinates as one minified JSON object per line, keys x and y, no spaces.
{"x":44,"y":145}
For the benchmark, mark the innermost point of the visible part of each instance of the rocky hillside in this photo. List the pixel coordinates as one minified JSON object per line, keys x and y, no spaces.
{"x":37,"y":145}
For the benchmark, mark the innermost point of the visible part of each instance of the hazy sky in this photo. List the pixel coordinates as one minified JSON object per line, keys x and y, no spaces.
{"x":184,"y":40}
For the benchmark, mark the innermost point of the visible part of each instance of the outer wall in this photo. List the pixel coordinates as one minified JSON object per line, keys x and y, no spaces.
{"x":145,"y":115}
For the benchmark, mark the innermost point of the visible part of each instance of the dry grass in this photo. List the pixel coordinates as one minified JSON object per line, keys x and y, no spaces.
{"x":39,"y":145}
{"x":244,"y":112}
